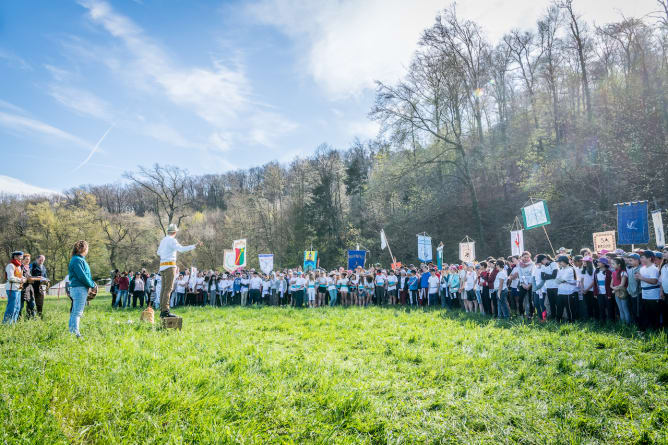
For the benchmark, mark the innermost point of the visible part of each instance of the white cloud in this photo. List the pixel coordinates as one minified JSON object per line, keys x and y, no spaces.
{"x":14,"y":61}
{"x":220,"y":94}
{"x":363,"y":129}
{"x":13,"y":186}
{"x":81,"y":101}
{"x":26,"y":125}
{"x":348,"y":43}
{"x":214,"y":94}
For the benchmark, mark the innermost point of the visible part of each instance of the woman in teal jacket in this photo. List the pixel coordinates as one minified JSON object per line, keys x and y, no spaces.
{"x":80,"y":282}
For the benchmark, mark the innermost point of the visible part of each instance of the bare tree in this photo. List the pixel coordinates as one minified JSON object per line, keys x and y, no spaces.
{"x":579,"y":37}
{"x":168,"y":188}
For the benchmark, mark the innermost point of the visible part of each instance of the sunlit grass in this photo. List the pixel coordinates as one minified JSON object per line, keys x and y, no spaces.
{"x":333,"y":375}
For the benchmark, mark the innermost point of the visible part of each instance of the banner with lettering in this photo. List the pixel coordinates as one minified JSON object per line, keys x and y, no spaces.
{"x":535,"y":215}
{"x":424,"y":249}
{"x":356,"y":258}
{"x":228,"y":260}
{"x":310,"y":259}
{"x":605,"y":241}
{"x":660,"y":235}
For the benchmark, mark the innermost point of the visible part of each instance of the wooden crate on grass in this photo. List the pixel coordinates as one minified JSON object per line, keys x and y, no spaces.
{"x":172,"y":323}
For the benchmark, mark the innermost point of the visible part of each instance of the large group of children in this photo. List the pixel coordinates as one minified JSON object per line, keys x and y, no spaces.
{"x":626,"y":287}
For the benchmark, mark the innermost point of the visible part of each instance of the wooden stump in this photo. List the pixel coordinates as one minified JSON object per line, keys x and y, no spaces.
{"x":172,"y":323}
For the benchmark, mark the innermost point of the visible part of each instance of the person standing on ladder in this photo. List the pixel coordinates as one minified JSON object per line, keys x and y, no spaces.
{"x":167,"y":250}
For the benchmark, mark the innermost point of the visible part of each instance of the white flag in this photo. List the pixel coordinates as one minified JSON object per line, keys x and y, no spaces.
{"x":658,"y":228}
{"x":517,"y":242}
{"x":266,"y":262}
{"x":383,"y":240}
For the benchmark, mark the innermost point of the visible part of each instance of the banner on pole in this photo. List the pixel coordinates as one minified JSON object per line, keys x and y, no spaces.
{"x":424,"y":249}
{"x":310,"y":259}
{"x":605,"y":241}
{"x":383,"y":240}
{"x":439,"y":256}
{"x":396,"y":265}
{"x":228,"y":260}
{"x":516,"y":242}
{"x":660,"y":235}
{"x":535,"y":215}
{"x":467,"y":252}
{"x":356,"y":258}
{"x":239,"y":247}
{"x":192,"y":281}
{"x":632,"y":224}
{"x":266,"y":262}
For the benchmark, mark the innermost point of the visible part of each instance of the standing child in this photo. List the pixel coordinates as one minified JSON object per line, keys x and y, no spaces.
{"x":620,"y":280}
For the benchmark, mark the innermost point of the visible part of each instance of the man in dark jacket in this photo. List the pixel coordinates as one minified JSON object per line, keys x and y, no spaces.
{"x":37,"y":270}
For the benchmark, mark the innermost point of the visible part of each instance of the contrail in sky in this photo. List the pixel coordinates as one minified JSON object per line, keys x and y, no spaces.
{"x":95,"y":148}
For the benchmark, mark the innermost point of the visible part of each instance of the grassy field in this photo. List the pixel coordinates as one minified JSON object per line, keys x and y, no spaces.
{"x":279,"y":375}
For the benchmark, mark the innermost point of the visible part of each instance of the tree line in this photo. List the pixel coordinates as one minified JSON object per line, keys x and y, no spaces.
{"x":566,"y":111}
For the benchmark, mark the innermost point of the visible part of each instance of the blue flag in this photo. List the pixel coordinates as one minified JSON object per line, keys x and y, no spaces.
{"x":424,"y":249}
{"x":356,"y":258}
{"x":632,"y":226}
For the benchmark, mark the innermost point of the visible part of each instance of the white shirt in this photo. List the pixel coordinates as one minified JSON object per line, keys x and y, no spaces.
{"x":255,"y":283}
{"x":167,"y":251}
{"x":199,"y":283}
{"x":587,"y":280}
{"x":516,"y":281}
{"x":549,"y":269}
{"x":567,"y":281}
{"x":649,"y":272}
{"x":434,"y":284}
{"x":664,"y":278}
{"x":330,"y":283}
{"x":502,"y":275}
{"x":537,"y":277}
{"x":391,"y":282}
{"x":470,"y":280}
{"x":181,"y":285}
{"x":600,"y":282}
{"x":300,"y":283}
{"x":343,"y":283}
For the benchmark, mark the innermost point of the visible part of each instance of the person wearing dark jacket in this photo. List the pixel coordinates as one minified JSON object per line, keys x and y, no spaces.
{"x":37,"y":269}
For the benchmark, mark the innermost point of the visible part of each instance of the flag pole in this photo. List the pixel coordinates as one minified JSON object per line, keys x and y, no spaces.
{"x":548,"y":240}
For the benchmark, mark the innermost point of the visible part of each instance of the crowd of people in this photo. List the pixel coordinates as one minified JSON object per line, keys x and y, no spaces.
{"x":619,"y":286}
{"x":626,"y":287}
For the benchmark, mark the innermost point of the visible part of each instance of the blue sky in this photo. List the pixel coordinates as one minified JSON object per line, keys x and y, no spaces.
{"x":93,"y":88}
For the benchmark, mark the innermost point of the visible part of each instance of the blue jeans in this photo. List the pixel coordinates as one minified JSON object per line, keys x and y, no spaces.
{"x":444,"y":297}
{"x":504,"y":309}
{"x":13,"y":306}
{"x":122,"y":298}
{"x":332,"y":297}
{"x":79,"y":296}
{"x":624,"y":313}
{"x":539,"y":304}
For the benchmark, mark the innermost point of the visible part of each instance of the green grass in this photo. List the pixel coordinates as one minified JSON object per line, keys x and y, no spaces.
{"x":279,"y":375}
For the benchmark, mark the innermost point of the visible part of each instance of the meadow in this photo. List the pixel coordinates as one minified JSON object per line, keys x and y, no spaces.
{"x":331,"y":375}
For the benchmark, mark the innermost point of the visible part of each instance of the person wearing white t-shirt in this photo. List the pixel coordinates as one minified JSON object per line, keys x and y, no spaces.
{"x":500,"y":287}
{"x":549,"y":269}
{"x":470,"y":280}
{"x":255,"y":288}
{"x":648,"y":275}
{"x":433,"y":285}
{"x":299,"y":289}
{"x":567,"y":290}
